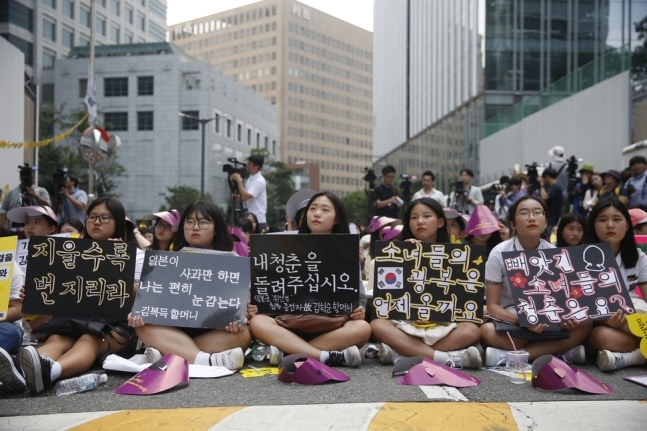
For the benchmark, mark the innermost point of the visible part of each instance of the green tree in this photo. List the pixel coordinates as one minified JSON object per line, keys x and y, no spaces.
{"x":181,"y":197}
{"x":639,"y":55}
{"x":356,"y":204}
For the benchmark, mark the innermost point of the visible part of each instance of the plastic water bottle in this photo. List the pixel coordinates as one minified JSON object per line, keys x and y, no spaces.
{"x":80,"y":384}
{"x":260,"y":352}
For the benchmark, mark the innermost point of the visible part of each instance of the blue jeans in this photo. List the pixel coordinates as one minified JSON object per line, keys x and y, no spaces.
{"x":10,"y":337}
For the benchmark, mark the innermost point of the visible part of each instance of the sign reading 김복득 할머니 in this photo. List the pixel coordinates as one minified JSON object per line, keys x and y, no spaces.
{"x":192,"y":290}
{"x":73,"y":277}
{"x":559,"y":284}
{"x":431,"y":282}
{"x":305,"y":274}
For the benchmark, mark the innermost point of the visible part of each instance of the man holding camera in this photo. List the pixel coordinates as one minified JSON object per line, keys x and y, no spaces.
{"x":465,"y":197}
{"x":254,"y":192}
{"x":509,"y":196}
{"x":26,"y":194}
{"x":73,"y":200}
{"x":386,"y":198}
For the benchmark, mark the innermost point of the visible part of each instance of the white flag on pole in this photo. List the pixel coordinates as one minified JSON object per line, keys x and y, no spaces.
{"x":90,"y":99}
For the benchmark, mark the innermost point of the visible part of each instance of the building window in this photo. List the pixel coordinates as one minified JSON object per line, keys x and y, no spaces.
{"x":83,"y":87}
{"x":130,"y":14}
{"x":50,"y":3}
{"x":267,"y":145}
{"x":141,"y":22}
{"x":49,"y":30}
{"x":142,"y":2}
{"x":68,"y":8}
{"x":128,"y":38}
{"x":16,"y":13}
{"x":239,"y":132}
{"x":117,"y":121}
{"x":68,"y":38}
{"x":145,"y":86}
{"x":114,"y":34}
{"x":101,"y":26}
{"x":85,"y":17}
{"x":258,"y":140}
{"x":48,"y":60}
{"x":114,"y":6}
{"x":216,"y":124}
{"x":249,"y":137}
{"x":83,"y":41}
{"x":115,"y":87}
{"x":145,"y":120}
{"x":273,"y":147}
{"x":191,"y":123}
{"x":229,"y":128}
{"x":25,"y":47}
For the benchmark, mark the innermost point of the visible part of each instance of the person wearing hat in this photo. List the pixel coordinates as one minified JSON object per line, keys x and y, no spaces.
{"x":483,"y":229}
{"x":612,"y":186}
{"x":166,"y":224}
{"x":638,"y":221}
{"x":636,"y":185}
{"x":254,"y":192}
{"x":38,"y":220}
{"x":295,"y":207}
{"x":455,"y":225}
{"x":581,"y":188}
{"x":561,"y":167}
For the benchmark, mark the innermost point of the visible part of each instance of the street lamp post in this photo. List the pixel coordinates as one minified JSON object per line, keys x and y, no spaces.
{"x":203,"y":122}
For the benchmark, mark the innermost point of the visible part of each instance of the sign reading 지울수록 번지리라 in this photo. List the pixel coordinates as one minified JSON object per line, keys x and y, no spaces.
{"x":7,"y":256}
{"x":555,"y":285}
{"x":192,"y":290}
{"x":431,"y":282}
{"x":305,"y":274}
{"x":84,"y":278}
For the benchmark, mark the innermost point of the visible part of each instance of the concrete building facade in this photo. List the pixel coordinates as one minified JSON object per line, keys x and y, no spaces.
{"x":316,"y":68}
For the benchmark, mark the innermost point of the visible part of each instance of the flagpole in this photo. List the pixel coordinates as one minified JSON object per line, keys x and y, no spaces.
{"x":93,"y":23}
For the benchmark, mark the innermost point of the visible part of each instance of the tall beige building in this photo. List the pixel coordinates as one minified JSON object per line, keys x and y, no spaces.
{"x":315,"y":67}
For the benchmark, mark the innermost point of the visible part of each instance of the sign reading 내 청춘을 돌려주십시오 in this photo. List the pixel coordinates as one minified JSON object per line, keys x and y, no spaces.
{"x":555,"y":285}
{"x":305,"y":274}
{"x":76,"y":277}
{"x":428,"y":281}
{"x":192,"y":290}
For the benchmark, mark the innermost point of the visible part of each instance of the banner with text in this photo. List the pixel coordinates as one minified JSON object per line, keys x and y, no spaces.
{"x":7,"y":256}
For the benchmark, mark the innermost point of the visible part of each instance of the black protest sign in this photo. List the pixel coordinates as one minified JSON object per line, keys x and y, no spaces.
{"x":305,"y":274}
{"x":74,"y":277}
{"x":432,"y":282}
{"x":192,"y":290}
{"x":559,"y":284}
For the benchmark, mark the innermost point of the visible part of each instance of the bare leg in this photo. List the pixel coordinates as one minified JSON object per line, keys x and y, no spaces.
{"x":615,"y":340}
{"x":168,"y":339}
{"x":56,"y":346}
{"x":265,"y":329}
{"x":219,"y":340}
{"x":82,"y":355}
{"x":536,"y":349}
{"x":354,"y":332}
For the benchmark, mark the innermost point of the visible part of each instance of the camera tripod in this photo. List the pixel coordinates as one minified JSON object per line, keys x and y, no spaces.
{"x":236,"y":206}
{"x":461,"y":196}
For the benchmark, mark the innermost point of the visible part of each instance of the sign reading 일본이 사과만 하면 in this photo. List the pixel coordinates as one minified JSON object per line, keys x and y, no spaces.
{"x":305,"y":274}
{"x":555,"y":285}
{"x":192,"y":289}
{"x":430,"y":282}
{"x":73,"y":277}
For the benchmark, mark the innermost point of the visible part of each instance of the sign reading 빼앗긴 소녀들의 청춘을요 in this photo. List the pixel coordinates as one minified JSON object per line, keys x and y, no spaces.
{"x":555,"y":285}
{"x":76,"y":277}
{"x":192,"y":290}
{"x":430,"y":282}
{"x":305,"y":274}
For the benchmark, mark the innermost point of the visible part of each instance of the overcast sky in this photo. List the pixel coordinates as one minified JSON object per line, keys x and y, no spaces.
{"x":357,"y":12}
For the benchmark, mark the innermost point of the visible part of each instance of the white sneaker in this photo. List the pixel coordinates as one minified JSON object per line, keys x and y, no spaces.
{"x":495,"y":357}
{"x":349,"y":357}
{"x":276,"y":356}
{"x":152,"y":354}
{"x":387,"y":354}
{"x":466,"y":358}
{"x":576,"y":355}
{"x":232,"y":359}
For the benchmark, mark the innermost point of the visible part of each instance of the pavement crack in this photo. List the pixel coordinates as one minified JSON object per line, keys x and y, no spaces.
{"x":530,"y":427}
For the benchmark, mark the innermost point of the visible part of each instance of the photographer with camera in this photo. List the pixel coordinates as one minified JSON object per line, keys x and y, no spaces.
{"x":512,"y":194}
{"x":465,"y":197}
{"x":26,"y":194}
{"x":551,"y":193}
{"x":428,"y":191}
{"x":72,"y":200}
{"x":386,"y":196}
{"x":254,"y":192}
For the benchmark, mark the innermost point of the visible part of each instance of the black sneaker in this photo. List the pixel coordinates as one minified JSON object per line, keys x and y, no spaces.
{"x":37,"y":369}
{"x":11,"y":373}
{"x":349,"y":357}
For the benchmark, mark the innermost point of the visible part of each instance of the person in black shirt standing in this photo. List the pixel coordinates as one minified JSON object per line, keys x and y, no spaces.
{"x":551,"y":192}
{"x":386,"y":196}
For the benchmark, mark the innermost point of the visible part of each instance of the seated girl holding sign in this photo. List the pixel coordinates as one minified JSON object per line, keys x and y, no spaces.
{"x":610,"y":222}
{"x":64,"y":356}
{"x":325,"y":214}
{"x":528,"y":220}
{"x":424,"y":221}
{"x":202,"y":226}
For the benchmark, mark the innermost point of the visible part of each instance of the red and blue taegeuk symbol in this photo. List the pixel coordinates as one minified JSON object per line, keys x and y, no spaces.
{"x":390,"y":277}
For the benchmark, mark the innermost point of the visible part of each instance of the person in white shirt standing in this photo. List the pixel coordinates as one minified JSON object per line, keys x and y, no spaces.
{"x":428,"y":191}
{"x":254,"y":192}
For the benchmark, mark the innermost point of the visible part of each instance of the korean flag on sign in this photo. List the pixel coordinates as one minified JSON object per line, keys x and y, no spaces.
{"x":390,"y":278}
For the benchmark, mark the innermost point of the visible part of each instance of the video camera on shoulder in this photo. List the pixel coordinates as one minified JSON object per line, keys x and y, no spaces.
{"x":499,"y":187}
{"x":58,"y":178}
{"x":236,"y":167}
{"x":26,"y":175}
{"x":406,"y":181}
{"x":459,"y":189}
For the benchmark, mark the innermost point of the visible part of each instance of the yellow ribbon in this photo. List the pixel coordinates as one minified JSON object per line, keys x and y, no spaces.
{"x":43,"y":142}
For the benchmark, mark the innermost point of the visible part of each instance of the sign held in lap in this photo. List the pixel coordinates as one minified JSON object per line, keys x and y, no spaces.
{"x":192,"y":290}
{"x":305,"y":274}
{"x":7,"y":256}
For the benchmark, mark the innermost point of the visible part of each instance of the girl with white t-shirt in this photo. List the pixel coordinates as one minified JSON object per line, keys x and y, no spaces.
{"x":610,"y":222}
{"x":528,"y":220}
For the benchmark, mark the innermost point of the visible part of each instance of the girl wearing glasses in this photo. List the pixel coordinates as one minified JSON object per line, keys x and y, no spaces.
{"x":424,"y":221}
{"x":65,"y":356}
{"x":325,"y":214}
{"x":528,"y":221}
{"x":610,"y":222}
{"x":202,"y":226}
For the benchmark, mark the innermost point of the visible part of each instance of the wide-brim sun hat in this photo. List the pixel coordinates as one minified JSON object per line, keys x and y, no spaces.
{"x":171,"y":217}
{"x":19,"y":215}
